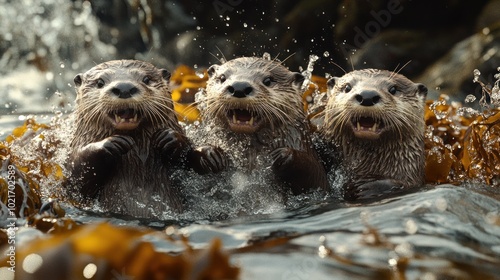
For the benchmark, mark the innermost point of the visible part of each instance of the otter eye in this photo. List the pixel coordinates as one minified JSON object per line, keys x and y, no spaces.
{"x":100,"y":83}
{"x":222,"y":78}
{"x":347,"y":88}
{"x":268,"y":81}
{"x":146,"y":80}
{"x":393,"y":90}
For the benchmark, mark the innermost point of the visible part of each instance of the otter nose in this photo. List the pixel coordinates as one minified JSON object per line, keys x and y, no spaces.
{"x":124,"y":90}
{"x":368,"y":98}
{"x":240,"y":89}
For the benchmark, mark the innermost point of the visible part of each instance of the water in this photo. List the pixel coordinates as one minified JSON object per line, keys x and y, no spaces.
{"x":440,"y":232}
{"x":444,"y":231}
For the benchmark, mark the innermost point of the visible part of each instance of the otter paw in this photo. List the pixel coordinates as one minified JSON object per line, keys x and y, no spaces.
{"x":282,"y":157}
{"x":211,"y":159}
{"x":373,"y":191}
{"x":117,"y":145}
{"x":170,"y":143}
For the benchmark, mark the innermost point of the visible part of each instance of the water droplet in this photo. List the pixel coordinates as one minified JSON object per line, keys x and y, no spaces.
{"x":32,"y":263}
{"x":470,"y":98}
{"x":49,"y":76}
{"x":477,"y":73}
{"x":266,"y":56}
{"x":245,"y":25}
{"x":404,"y":249}
{"x":277,"y":19}
{"x":411,"y":227}
{"x":326,"y":54}
{"x":198,"y":27}
{"x":61,"y":65}
{"x":89,"y":271}
{"x":441,"y":204}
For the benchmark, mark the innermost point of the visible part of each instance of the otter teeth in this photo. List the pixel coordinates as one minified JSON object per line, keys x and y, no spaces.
{"x":119,"y":119}
{"x":249,"y":122}
{"x":373,"y":128}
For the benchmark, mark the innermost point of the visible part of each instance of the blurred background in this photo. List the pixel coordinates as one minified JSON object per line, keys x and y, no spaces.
{"x":44,"y":43}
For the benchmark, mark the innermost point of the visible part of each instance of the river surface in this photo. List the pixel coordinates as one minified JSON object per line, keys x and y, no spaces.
{"x":441,"y":232}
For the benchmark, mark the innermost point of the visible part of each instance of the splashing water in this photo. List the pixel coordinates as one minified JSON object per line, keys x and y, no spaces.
{"x":63,"y":39}
{"x":308,"y":72}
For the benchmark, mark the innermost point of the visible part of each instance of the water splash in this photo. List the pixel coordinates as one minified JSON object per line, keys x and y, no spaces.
{"x":308,"y":72}
{"x":50,"y":39}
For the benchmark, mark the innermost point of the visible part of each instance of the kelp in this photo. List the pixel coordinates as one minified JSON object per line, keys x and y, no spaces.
{"x":186,"y":82}
{"x":104,"y":251}
{"x":24,"y":172}
{"x":463,"y":144}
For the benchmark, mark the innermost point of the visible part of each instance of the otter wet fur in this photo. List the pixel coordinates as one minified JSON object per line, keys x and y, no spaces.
{"x":374,"y":127}
{"x":254,"y":105}
{"x":127,"y":141}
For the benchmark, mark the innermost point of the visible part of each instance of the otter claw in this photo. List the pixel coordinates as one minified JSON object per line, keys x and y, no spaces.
{"x":213,"y":158}
{"x":282,"y":156}
{"x":169,"y":142}
{"x":118,"y":145}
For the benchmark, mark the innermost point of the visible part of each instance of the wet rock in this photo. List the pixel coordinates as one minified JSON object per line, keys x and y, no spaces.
{"x":396,"y":47}
{"x":393,"y":32}
{"x":453,"y":73}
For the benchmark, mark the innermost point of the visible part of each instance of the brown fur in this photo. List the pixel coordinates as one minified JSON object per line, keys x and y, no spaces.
{"x":128,"y":165}
{"x":391,"y":157}
{"x":279,"y":137}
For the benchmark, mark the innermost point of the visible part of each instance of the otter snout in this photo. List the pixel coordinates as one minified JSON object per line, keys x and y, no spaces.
{"x":124,"y":90}
{"x":240,"y":89}
{"x":367,"y":98}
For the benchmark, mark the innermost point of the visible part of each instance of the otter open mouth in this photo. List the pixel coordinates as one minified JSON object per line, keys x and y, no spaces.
{"x":367,"y":127}
{"x":243,"y":121}
{"x":125,"y":119}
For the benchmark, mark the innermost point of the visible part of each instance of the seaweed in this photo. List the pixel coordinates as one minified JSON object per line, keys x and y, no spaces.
{"x":462,"y":144}
{"x":104,"y":251}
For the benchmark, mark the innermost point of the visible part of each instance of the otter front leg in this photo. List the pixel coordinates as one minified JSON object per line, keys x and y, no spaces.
{"x":373,"y":190}
{"x":176,"y":149}
{"x":95,"y":163}
{"x":208,"y":159}
{"x":299,"y":170}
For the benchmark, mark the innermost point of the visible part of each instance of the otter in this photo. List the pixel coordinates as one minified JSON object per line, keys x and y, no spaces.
{"x":127,"y":141}
{"x":373,"y":129}
{"x":254,"y":106}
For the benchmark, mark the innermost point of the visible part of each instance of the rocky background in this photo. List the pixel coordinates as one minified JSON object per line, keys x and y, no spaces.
{"x":442,"y":41}
{"x":439,"y":43}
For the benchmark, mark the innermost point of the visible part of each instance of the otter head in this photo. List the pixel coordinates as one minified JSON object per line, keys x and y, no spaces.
{"x":120,"y":95}
{"x":373,"y":104}
{"x":249,"y":93}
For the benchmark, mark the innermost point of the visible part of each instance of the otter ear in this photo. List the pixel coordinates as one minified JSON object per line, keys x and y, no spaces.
{"x":165,"y":74}
{"x":422,"y":90}
{"x":331,"y":82}
{"x":78,"y":80}
{"x":298,"y":79}
{"x":212,"y":69}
